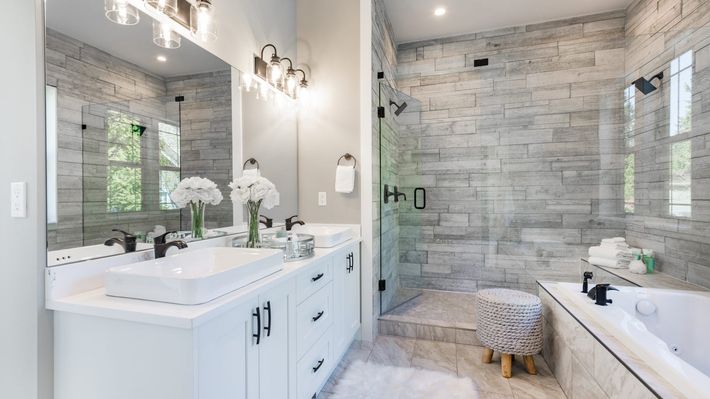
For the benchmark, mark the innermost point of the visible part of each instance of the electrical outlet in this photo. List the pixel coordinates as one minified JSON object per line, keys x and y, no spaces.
{"x":18,"y":200}
{"x":322,"y":200}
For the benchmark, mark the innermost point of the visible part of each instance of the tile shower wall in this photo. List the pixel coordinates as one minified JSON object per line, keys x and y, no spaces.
{"x":658,"y":32}
{"x":521,"y":159}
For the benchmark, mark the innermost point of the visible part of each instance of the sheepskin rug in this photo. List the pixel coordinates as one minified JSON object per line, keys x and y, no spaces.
{"x":373,"y":381}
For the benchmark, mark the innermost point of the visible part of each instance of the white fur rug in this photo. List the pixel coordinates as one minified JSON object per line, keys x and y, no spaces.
{"x":373,"y":381}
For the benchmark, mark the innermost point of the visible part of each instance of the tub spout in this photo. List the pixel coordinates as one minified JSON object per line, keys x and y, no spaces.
{"x":599,"y":294}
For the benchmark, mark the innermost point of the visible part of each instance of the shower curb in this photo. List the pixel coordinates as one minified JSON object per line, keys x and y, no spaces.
{"x":427,"y":331}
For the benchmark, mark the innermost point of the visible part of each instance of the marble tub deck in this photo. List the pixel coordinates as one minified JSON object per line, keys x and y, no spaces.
{"x":457,"y":359}
{"x":434,"y":315}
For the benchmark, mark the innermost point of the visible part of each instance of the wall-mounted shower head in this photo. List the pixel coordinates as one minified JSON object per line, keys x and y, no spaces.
{"x":645,"y":86}
{"x":400,"y":107}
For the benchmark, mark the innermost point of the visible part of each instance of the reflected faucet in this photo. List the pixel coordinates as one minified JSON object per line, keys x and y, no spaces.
{"x":161,"y":247}
{"x":290,"y":223}
{"x":266,"y":221}
{"x":129,"y":241}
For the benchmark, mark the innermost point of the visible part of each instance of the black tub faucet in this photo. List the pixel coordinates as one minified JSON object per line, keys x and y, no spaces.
{"x":161,"y":247}
{"x":128,"y":242}
{"x":599,"y":294}
{"x":290,"y":222}
{"x":585,"y":281}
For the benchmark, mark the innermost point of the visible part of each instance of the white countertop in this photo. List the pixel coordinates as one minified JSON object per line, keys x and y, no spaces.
{"x":95,"y":302}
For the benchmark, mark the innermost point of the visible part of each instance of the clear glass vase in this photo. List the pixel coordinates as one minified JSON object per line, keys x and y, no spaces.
{"x":197,"y":211}
{"x":254,"y":240}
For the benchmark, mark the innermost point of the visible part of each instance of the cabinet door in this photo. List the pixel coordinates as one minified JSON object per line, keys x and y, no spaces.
{"x":341,"y":266}
{"x":351,"y":311}
{"x":346,"y":297}
{"x":276,"y":378}
{"x":227,"y":357}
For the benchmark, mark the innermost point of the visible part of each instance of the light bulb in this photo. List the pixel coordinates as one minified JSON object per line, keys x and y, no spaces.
{"x":120,"y":12}
{"x":202,"y":22}
{"x":291,"y":82}
{"x":275,"y":72}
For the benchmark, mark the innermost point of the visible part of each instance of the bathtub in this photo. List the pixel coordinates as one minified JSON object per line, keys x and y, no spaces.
{"x":668,"y":329}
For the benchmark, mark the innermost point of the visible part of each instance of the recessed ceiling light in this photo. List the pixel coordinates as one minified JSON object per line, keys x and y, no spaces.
{"x":161,"y":58}
{"x":440,"y":11}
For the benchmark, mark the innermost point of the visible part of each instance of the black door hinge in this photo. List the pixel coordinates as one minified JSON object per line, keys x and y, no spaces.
{"x":382,"y":285}
{"x":380,"y":112}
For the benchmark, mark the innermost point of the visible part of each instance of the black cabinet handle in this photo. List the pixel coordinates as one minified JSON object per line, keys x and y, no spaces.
{"x":257,"y":314}
{"x":320,"y":363}
{"x":318,"y":316}
{"x":267,"y":307}
{"x":349,"y":262}
{"x":423,"y":205}
{"x":352,"y":261}
{"x":318,"y":277}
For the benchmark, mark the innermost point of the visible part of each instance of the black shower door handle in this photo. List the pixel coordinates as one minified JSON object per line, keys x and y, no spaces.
{"x":416,"y":203}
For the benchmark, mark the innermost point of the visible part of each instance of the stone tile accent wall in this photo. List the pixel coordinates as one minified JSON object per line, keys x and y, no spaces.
{"x":658,"y":32}
{"x":521,"y":159}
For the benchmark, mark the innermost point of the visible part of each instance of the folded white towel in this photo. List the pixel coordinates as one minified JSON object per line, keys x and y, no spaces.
{"x":251,"y":172}
{"x":614,"y":264}
{"x":609,"y":252}
{"x":614,"y":240}
{"x":344,"y":179}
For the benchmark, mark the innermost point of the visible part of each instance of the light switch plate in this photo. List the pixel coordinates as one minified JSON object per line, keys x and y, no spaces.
{"x":322,"y":199}
{"x":18,"y":200}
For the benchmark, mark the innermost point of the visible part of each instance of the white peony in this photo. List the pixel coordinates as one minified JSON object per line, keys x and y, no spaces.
{"x":196,"y":190}
{"x":254,"y":189}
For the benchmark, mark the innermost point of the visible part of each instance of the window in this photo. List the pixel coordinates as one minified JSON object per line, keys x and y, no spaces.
{"x":51,"y":112}
{"x":629,"y":114}
{"x":681,"y":94}
{"x":680,"y":181}
{"x":169,"y":163}
{"x":629,"y":169}
{"x":124,"y":174}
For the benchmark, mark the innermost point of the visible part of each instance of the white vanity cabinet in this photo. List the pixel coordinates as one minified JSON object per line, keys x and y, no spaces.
{"x":347,"y":301}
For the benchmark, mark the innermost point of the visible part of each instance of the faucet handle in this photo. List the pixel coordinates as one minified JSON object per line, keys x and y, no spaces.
{"x":588,"y":275}
{"x":157,"y":240}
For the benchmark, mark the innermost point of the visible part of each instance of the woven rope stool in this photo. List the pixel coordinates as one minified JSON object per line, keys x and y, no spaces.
{"x":509,"y":322}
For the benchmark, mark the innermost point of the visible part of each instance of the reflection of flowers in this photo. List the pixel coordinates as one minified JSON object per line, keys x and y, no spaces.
{"x":255,"y":189}
{"x":196,"y":190}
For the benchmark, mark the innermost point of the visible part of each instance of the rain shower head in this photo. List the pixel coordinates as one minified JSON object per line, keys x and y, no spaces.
{"x":645,"y":86}
{"x":400,"y":107}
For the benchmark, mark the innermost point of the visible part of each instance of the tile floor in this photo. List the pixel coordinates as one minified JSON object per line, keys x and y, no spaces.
{"x":437,"y":308}
{"x":458,"y":359}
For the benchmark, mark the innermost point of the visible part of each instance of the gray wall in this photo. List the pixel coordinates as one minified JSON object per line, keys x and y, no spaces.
{"x":26,"y":333}
{"x":521,"y":159}
{"x":657,"y":33}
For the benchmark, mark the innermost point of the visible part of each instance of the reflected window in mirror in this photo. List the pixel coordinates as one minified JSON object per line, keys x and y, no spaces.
{"x":169,"y":163}
{"x":680,"y":182}
{"x":51,"y":122}
{"x":124,"y":176}
{"x":681,"y":94}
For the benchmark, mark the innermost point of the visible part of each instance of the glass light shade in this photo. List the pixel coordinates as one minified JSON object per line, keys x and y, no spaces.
{"x":167,"y":7}
{"x":275,"y":72}
{"x":202,"y":22}
{"x":164,"y":36}
{"x":120,"y":12}
{"x":291,"y":82}
{"x":304,"y":93}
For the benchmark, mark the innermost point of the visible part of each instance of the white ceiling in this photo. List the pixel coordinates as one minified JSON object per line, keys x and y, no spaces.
{"x":84,"y":20}
{"x":414,"y":20}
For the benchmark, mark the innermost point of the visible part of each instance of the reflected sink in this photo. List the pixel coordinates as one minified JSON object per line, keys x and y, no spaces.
{"x":193,"y":277}
{"x":326,"y":236}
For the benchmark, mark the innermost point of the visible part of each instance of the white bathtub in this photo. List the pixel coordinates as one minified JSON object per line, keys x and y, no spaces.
{"x":674,"y":339}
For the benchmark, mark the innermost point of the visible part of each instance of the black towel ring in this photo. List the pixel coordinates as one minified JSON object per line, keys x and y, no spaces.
{"x":251,"y":161}
{"x":348,"y":157}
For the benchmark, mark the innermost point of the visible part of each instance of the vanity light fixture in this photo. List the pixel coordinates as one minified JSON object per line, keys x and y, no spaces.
{"x":303,"y":91}
{"x":270,"y":71}
{"x":167,"y":7}
{"x":291,"y":80}
{"x":202,"y":22}
{"x":164,"y":36}
{"x":273,"y":73}
{"x":120,"y":12}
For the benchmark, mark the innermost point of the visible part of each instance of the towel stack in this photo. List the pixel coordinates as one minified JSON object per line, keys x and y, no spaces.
{"x":613,"y":252}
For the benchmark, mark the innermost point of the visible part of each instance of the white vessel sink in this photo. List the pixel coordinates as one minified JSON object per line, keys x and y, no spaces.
{"x":193,"y":277}
{"x":326,"y":236}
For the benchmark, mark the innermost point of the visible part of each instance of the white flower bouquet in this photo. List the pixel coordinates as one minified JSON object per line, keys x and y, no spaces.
{"x":254,"y":191}
{"x":196,"y":192}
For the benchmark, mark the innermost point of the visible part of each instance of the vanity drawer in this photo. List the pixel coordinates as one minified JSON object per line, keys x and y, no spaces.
{"x":313,"y":317}
{"x":313,"y":279}
{"x":314,"y":368}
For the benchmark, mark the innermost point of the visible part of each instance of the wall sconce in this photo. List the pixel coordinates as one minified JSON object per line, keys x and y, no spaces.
{"x":273,"y":72}
{"x":202,"y":22}
{"x":120,"y":12}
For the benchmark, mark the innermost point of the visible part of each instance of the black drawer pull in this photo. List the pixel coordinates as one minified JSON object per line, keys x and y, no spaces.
{"x":267,"y":307}
{"x":257,"y":314}
{"x":316,"y":278}
{"x":320,"y":363}
{"x":318,"y":316}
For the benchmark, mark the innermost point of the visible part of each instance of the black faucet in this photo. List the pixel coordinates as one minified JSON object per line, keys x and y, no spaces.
{"x":585,"y":282}
{"x":290,"y":223}
{"x":599,"y":294}
{"x":266,"y":221}
{"x":128,"y":242}
{"x":161,"y":247}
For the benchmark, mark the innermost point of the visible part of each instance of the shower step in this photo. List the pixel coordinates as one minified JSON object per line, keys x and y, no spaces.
{"x":429,"y":332}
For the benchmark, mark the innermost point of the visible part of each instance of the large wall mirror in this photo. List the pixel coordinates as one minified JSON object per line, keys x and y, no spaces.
{"x":128,"y":119}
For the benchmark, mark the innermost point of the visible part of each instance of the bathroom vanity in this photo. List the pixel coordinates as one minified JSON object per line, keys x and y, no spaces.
{"x":279,"y":337}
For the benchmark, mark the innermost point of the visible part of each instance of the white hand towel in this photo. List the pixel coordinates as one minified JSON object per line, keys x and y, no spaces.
{"x":251,"y":172}
{"x":615,"y":240}
{"x":344,"y":179}
{"x":612,"y":263}
{"x":609,"y":252}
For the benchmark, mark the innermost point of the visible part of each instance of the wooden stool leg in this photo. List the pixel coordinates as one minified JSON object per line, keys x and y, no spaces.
{"x":487,"y":355}
{"x":530,"y":364}
{"x":506,"y":365}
